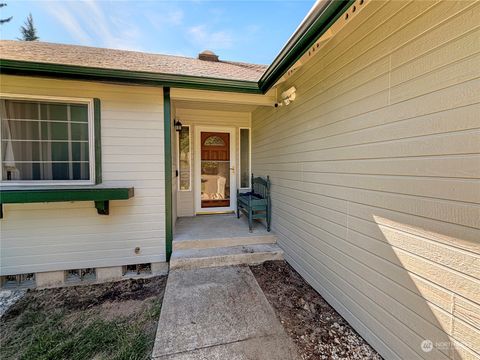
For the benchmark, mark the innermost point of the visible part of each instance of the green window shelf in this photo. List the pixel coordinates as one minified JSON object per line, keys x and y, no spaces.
{"x":100,"y":195}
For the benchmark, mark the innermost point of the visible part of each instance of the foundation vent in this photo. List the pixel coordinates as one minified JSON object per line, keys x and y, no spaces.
{"x":137,"y":269}
{"x":80,"y":275}
{"x":18,"y":281}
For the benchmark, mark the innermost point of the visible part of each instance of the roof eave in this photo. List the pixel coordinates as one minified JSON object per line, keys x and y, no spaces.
{"x":316,"y":23}
{"x":17,"y":67}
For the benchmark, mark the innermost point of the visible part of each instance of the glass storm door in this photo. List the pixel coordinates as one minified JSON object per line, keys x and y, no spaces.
{"x":215,"y":169}
{"x":217,"y":174}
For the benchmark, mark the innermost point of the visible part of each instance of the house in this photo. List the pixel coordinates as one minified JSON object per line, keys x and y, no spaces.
{"x":367,"y":123}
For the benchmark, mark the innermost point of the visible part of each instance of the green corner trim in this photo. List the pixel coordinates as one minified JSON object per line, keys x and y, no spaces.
{"x":97,"y":115}
{"x":291,"y":53}
{"x":100,"y":196}
{"x":17,"y":67}
{"x":167,"y":135}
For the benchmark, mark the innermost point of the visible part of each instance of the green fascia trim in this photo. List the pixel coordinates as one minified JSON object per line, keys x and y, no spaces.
{"x":167,"y":129}
{"x":16,"y":67}
{"x":321,"y":24}
{"x":100,"y":196}
{"x":60,"y":195}
{"x":97,"y":115}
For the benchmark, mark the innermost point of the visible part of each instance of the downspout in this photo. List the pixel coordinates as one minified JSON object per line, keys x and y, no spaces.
{"x":322,"y":15}
{"x":167,"y":134}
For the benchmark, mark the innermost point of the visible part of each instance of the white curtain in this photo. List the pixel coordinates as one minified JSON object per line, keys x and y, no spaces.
{"x":9,"y":168}
{"x":18,"y":156}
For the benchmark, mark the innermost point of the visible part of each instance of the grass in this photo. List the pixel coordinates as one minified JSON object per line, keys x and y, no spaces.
{"x":53,"y":337}
{"x":36,"y":330}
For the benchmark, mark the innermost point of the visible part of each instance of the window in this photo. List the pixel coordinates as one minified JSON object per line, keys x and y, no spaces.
{"x":46,"y":140}
{"x":184,"y":159}
{"x":214,"y":141}
{"x":244,"y":158}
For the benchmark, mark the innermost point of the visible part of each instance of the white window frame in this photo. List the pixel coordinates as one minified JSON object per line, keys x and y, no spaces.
{"x":240,"y":158}
{"x":91,"y":140}
{"x":190,"y":158}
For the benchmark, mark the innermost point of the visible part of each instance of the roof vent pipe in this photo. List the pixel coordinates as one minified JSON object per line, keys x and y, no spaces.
{"x":208,"y":55}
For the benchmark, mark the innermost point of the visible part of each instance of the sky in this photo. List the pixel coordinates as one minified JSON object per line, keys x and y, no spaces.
{"x":248,"y":30}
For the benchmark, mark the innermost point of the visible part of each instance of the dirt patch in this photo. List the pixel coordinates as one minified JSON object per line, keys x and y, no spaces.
{"x":316,"y":328}
{"x":111,"y":310}
{"x":103,"y":321}
{"x":88,"y":296}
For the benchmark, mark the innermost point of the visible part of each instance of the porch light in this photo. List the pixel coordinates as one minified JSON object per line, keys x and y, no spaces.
{"x":178,"y":125}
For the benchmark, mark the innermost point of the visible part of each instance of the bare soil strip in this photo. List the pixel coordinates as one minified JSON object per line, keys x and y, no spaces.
{"x":318,"y":331}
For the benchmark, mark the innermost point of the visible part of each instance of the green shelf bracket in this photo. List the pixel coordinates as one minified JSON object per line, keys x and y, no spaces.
{"x":103,"y":207}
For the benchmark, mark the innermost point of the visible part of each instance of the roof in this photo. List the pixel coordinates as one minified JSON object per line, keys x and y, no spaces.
{"x":120,"y":66}
{"x":85,"y":56}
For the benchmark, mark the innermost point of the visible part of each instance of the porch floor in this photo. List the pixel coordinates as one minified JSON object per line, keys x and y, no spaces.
{"x":203,"y":227}
{"x":221,"y":240}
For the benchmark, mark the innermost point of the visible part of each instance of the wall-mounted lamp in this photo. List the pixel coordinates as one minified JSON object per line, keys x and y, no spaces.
{"x":177,"y":125}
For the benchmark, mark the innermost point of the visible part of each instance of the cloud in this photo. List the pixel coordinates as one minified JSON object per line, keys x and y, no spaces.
{"x":205,"y":39}
{"x":69,"y":22}
{"x":88,"y":24}
{"x":173,"y":17}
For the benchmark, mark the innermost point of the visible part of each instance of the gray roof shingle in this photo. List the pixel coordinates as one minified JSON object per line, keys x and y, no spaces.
{"x":43,"y":52}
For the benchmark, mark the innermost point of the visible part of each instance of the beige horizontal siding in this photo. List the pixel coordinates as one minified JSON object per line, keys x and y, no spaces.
{"x":185,"y":203}
{"x":58,"y":236}
{"x":213,"y":117}
{"x":375,"y":172}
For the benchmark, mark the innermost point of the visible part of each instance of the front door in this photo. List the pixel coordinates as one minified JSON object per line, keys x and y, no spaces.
{"x":215,"y":190}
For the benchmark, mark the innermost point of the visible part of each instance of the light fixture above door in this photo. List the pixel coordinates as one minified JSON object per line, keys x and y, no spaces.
{"x":177,"y":125}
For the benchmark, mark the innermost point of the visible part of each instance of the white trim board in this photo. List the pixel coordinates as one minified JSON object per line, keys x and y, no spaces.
{"x":91,"y":139}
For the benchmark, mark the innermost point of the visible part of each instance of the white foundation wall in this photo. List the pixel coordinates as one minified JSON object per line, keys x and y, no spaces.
{"x":202,"y":117}
{"x":375,"y":171}
{"x":71,"y":235}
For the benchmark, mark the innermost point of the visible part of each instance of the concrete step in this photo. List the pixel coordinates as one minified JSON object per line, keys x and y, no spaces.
{"x":208,"y":243}
{"x":224,"y":256}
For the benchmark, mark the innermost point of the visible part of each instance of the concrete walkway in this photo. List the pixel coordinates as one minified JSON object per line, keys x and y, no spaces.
{"x":218,"y":313}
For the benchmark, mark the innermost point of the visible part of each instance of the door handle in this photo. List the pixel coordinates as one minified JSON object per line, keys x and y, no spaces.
{"x":232,"y":169}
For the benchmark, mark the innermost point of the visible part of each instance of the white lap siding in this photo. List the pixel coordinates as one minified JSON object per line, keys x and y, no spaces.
{"x":71,"y":235}
{"x":375,"y":172}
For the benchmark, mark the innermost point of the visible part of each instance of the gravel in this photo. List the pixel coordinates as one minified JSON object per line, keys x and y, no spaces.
{"x":8,"y":298}
{"x":318,"y":331}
